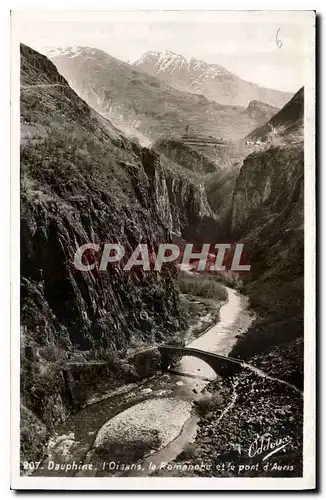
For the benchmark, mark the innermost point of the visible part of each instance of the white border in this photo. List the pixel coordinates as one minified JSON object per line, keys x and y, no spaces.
{"x":15,"y":252}
{"x":5,"y":248}
{"x":308,"y":480}
{"x":309,"y":444}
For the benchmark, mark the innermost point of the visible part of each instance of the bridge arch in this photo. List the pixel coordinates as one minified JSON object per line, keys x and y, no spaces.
{"x":222,"y":365}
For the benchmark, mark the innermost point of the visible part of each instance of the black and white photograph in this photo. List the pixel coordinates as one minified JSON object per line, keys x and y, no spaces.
{"x":163,"y":175}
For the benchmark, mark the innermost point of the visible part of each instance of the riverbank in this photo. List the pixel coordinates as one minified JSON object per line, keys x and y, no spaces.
{"x":274,"y":342}
{"x":143,"y":361}
{"x":245,"y":418}
{"x":89,"y":435}
{"x":86,"y":378}
{"x":243,"y":431}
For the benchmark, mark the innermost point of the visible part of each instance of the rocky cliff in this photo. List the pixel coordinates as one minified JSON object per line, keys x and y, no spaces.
{"x":82,"y":181}
{"x":188,"y":157}
{"x":214,"y":169}
{"x":268,"y":216}
{"x":267,"y":208}
{"x":261,"y":111}
{"x":268,"y":186}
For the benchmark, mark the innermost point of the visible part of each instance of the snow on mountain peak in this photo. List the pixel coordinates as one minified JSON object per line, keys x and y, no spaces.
{"x":71,"y":52}
{"x":169,"y":61}
{"x":162,"y":61}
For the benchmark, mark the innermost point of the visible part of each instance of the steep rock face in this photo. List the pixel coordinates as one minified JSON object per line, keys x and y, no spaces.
{"x":268,"y":196}
{"x":186,"y":172}
{"x":77,"y":189}
{"x":143,"y":106}
{"x":219,"y":188}
{"x":181,"y":197}
{"x":267,"y":215}
{"x":264,"y":186}
{"x":214,"y":173}
{"x":267,"y":184}
{"x":212,"y":80}
{"x":179,"y":152}
{"x":81,"y":182}
{"x":193,"y":220}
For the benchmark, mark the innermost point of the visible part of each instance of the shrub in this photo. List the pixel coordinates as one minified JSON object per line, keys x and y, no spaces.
{"x":207,"y":403}
{"x":202,"y":286}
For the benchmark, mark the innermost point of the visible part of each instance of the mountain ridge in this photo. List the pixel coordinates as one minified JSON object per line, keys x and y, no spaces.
{"x":143,"y":106}
{"x":212,"y":80}
{"x":82,"y":181}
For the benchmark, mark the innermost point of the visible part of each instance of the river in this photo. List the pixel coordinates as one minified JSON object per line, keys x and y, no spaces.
{"x":151,"y":422}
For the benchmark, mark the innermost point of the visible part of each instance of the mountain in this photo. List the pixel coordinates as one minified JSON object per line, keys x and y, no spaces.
{"x":144,"y":107}
{"x":268,"y":216}
{"x":259,"y":110}
{"x":83,"y":181}
{"x":284,"y":126}
{"x":212,"y":80}
{"x":284,"y":129}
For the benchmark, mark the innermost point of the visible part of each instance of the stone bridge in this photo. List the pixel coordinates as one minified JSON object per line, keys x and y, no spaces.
{"x":222,"y":365}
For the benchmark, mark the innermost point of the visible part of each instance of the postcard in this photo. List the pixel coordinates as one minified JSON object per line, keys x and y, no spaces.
{"x":163,"y":242}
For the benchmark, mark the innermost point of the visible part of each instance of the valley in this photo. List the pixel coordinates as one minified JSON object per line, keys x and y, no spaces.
{"x":111,"y":153}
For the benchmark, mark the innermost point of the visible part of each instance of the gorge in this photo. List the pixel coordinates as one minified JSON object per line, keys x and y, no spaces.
{"x":89,"y":336}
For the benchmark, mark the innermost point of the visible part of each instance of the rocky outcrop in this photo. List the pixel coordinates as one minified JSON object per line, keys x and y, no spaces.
{"x":179,"y":152}
{"x":267,"y":206}
{"x":268,"y":216}
{"x":268,"y":186}
{"x":194,"y":218}
{"x":181,"y":197}
{"x":284,"y":126}
{"x":261,"y":111}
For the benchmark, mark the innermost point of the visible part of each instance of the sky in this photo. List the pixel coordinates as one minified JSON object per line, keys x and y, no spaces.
{"x":267,"y":50}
